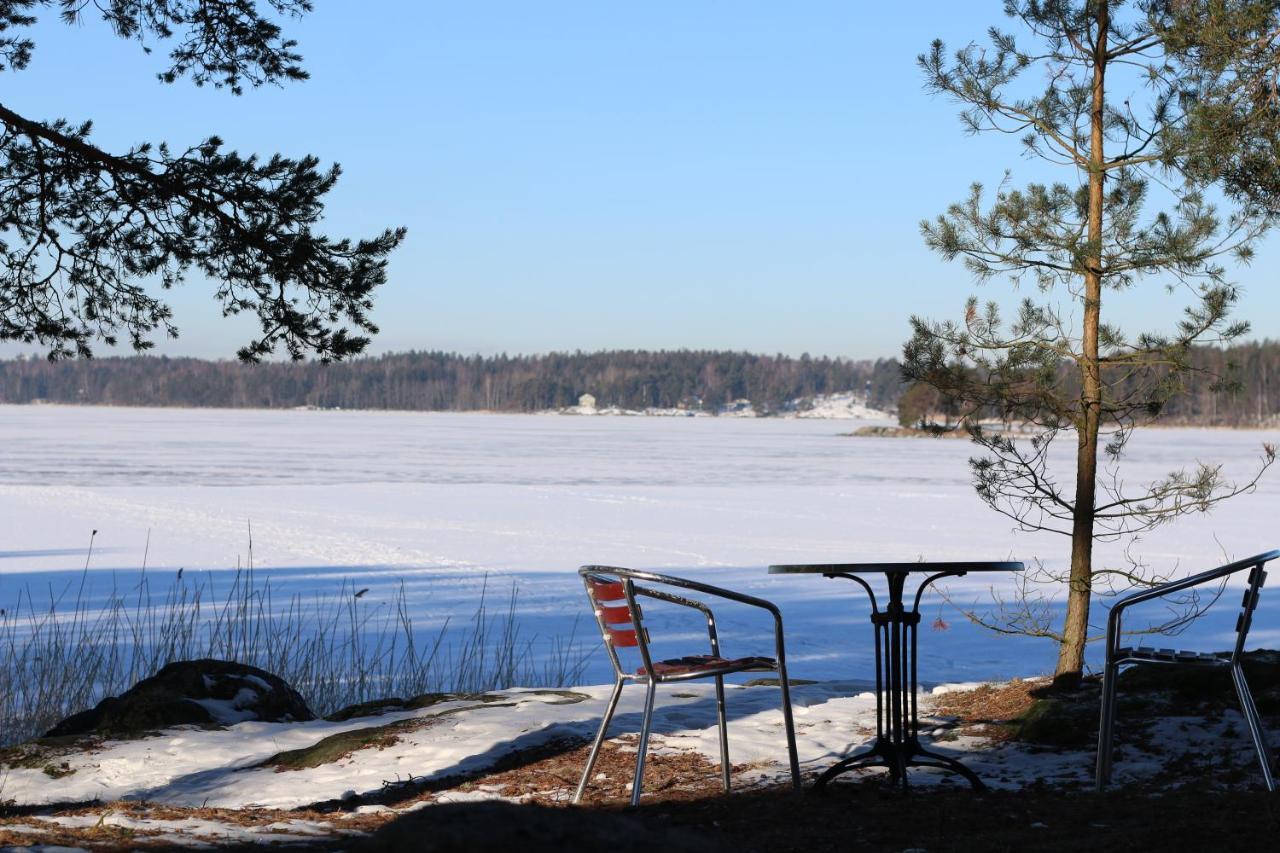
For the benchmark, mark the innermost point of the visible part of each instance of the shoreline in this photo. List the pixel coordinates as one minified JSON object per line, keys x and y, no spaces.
{"x":605,"y":414}
{"x":876,"y":428}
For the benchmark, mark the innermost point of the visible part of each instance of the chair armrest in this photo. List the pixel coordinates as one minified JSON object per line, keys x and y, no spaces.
{"x":660,"y":595}
{"x":1117,"y":609}
{"x":674,"y":599}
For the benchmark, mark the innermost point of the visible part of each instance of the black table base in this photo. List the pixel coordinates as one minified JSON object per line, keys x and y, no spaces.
{"x":897,"y":759}
{"x":897,"y":744}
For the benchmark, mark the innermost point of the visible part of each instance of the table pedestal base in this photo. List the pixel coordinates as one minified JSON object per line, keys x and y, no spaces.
{"x":885,"y":754}
{"x":895,"y":628}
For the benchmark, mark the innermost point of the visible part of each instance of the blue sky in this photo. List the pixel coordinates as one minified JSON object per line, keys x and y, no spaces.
{"x":586,"y":175}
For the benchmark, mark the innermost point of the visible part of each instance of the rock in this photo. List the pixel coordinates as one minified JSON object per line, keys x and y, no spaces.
{"x":197,"y":692}
{"x":394,"y":704}
{"x":372,"y":708}
{"x":1069,"y":716}
{"x":337,"y":746}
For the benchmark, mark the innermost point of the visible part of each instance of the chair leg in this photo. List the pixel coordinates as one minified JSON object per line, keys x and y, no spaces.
{"x":643,"y":746}
{"x":1106,"y":725}
{"x":1255,"y":725}
{"x":596,"y":744}
{"x":724,"y":733}
{"x":789,"y":726}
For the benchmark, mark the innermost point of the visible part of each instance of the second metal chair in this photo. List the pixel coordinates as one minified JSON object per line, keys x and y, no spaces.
{"x":613,"y":593}
{"x":1118,"y":655}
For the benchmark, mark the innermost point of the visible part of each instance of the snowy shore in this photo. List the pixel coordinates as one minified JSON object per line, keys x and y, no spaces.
{"x":233,"y":785}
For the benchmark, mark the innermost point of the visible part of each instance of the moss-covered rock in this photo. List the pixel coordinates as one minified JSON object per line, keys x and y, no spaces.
{"x":372,"y":708}
{"x":198,"y":692}
{"x":777,"y":682}
{"x":1059,"y":721}
{"x":339,"y":746}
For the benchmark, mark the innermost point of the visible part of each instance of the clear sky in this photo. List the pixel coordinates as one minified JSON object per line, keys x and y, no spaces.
{"x":742,"y":174}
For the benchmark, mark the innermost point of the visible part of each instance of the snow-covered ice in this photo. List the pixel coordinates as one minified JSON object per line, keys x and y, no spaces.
{"x":444,"y":501}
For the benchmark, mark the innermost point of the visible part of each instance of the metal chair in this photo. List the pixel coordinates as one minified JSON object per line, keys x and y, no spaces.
{"x":613,"y":593}
{"x":1118,"y":655}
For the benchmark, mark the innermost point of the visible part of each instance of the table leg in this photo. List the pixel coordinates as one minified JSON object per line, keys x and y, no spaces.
{"x":898,"y":687}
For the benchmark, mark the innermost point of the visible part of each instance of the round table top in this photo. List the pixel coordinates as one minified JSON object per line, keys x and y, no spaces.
{"x":893,"y":568}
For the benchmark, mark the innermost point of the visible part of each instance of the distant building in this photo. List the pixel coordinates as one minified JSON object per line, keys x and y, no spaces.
{"x":587,"y":401}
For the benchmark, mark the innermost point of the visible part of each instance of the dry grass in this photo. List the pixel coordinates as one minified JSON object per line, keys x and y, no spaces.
{"x":551,"y":780}
{"x":990,"y":710}
{"x":65,"y":650}
{"x":118,"y":839}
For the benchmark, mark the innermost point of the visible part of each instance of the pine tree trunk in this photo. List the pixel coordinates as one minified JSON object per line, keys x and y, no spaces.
{"x":1075,"y":626}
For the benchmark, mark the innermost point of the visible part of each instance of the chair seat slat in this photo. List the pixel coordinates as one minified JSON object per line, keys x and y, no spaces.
{"x":1176,"y":655}
{"x":619,"y":615}
{"x":606,"y":590}
{"x":624,"y":637}
{"x":699,"y":663}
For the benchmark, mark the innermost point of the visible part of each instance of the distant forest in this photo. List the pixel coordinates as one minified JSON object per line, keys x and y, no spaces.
{"x":438,"y":381}
{"x":629,"y":379}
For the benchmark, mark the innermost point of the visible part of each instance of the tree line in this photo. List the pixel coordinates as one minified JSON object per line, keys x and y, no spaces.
{"x":440,"y":381}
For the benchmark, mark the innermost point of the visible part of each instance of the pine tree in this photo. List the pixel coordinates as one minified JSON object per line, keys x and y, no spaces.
{"x":86,"y":231}
{"x":1162,"y":116}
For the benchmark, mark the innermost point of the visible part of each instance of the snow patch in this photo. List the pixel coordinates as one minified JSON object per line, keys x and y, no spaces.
{"x":845,"y":405}
{"x":237,"y":709}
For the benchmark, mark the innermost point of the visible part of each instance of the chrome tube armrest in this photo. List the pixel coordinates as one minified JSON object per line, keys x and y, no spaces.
{"x":674,"y":599}
{"x":660,"y":595}
{"x":1117,"y":609}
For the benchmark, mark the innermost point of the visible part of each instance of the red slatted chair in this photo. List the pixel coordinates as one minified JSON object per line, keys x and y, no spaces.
{"x":1118,"y":655}
{"x":613,"y":593}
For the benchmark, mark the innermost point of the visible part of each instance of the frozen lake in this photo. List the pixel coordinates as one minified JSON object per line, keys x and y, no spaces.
{"x":446,"y":501}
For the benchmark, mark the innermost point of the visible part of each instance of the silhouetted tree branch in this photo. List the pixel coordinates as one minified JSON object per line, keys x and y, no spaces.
{"x":88,"y":237}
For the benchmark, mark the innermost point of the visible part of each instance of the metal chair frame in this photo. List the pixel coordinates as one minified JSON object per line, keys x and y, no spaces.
{"x":1118,"y":656}
{"x":632,"y":622}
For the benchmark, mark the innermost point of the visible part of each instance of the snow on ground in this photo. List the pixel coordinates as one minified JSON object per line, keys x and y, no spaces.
{"x":618,"y":411}
{"x":844,"y":406}
{"x":448,"y":502}
{"x":220,"y":768}
{"x":200,"y":768}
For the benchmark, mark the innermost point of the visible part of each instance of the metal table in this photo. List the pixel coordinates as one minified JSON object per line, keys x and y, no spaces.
{"x":897,"y":745}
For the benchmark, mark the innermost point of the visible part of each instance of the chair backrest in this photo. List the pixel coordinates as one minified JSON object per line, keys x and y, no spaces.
{"x":613,"y":602}
{"x":1253,"y":592}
